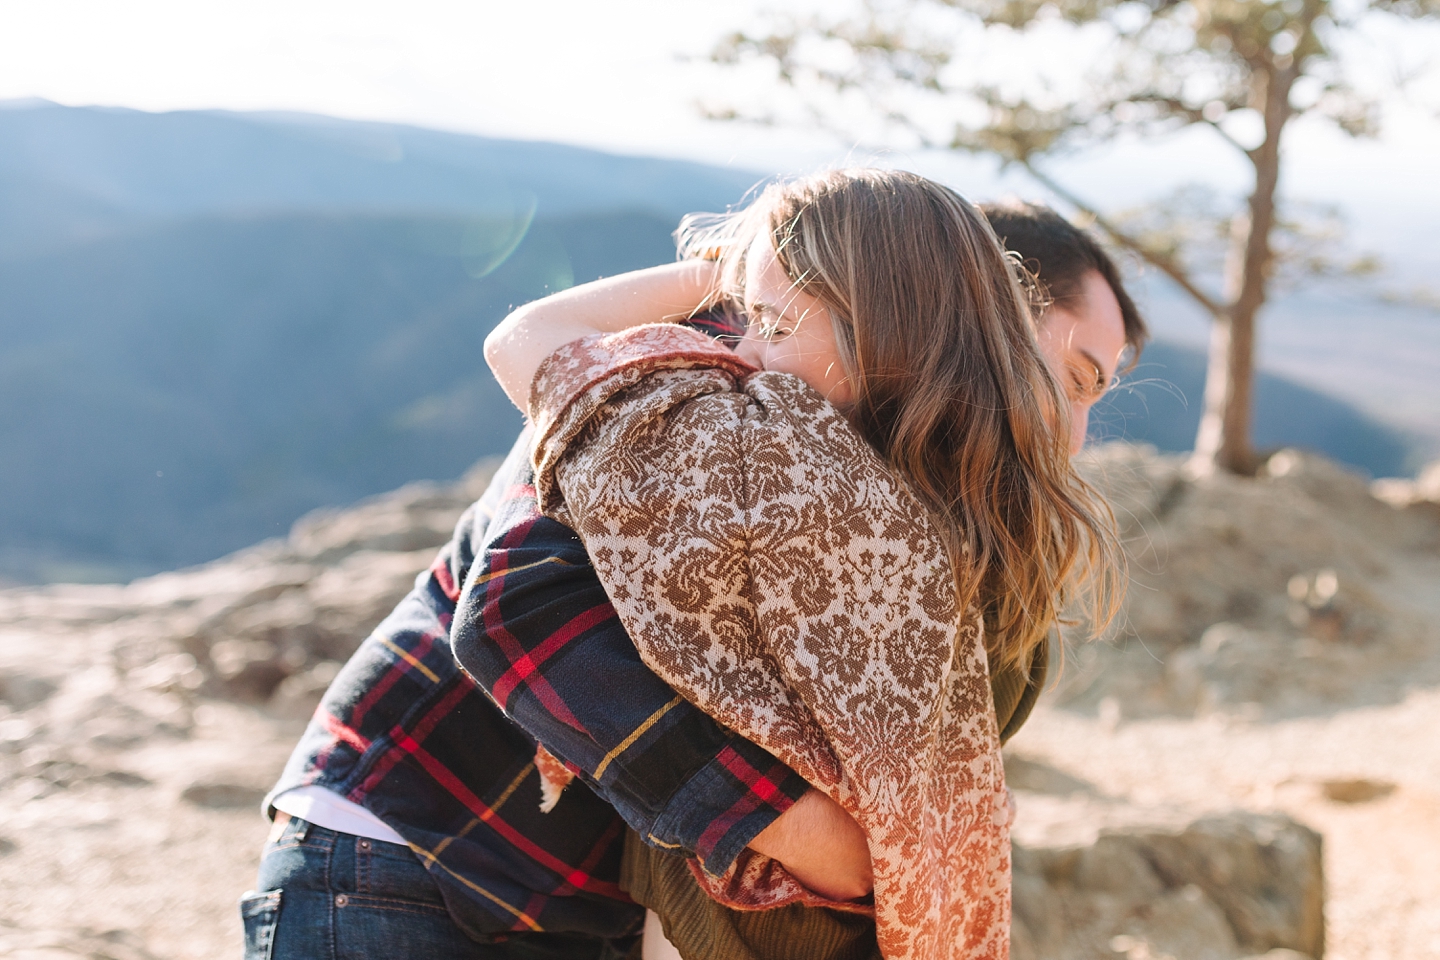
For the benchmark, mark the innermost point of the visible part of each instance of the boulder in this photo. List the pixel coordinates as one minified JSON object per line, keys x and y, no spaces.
{"x":1220,"y":888}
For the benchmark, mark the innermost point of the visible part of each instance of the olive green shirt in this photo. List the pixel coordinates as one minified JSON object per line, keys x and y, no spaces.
{"x":702,"y":929}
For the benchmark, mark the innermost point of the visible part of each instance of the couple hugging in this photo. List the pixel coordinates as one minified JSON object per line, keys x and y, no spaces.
{"x":770,"y":573}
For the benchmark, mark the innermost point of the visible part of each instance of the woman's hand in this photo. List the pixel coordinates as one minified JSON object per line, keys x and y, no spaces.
{"x":822,"y":846}
{"x":516,"y":348}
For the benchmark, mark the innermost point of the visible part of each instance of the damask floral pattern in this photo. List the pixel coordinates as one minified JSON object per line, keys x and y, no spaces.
{"x":775,"y":572}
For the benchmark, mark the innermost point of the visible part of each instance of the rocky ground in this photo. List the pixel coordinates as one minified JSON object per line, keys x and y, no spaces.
{"x":1279,"y":654}
{"x":1265,"y":714}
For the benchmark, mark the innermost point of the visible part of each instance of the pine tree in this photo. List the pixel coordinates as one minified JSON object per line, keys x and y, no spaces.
{"x":1159,"y":66}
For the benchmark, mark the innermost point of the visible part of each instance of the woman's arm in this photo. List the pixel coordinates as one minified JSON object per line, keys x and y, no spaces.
{"x":516,"y":348}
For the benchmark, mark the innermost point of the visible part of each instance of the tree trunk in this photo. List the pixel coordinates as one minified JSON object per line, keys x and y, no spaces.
{"x":1223,"y":441}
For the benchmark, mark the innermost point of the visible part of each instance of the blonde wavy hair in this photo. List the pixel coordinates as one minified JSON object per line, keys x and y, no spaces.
{"x":935,"y":326}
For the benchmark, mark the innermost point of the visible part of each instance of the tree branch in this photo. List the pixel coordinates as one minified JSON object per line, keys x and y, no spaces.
{"x":1191,"y":115}
{"x":1161,"y":262}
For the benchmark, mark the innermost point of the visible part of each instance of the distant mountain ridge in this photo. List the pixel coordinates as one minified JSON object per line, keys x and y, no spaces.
{"x":69,"y":172}
{"x":176,"y":392}
{"x":211,"y":323}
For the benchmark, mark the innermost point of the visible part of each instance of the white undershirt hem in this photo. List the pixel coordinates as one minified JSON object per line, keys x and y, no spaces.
{"x":326,"y":808}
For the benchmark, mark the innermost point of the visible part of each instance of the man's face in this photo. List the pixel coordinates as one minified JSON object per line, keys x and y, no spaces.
{"x":1082,"y":339}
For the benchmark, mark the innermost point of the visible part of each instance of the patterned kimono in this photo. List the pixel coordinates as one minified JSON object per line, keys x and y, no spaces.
{"x":773,"y":570}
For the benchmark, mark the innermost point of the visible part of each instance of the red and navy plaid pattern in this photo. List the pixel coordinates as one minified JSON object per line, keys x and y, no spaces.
{"x":452,"y":770}
{"x":534,"y":627}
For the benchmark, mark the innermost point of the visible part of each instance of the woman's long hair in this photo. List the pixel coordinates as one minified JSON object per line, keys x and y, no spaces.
{"x":936,"y":333}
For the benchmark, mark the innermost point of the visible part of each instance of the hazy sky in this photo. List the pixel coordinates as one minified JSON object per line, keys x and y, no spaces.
{"x":611,"y":74}
{"x":622,"y":75}
{"x":625,"y":75}
{"x":606,"y":74}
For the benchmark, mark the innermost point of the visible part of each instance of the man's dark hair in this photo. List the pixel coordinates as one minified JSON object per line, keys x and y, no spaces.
{"x":1061,"y":254}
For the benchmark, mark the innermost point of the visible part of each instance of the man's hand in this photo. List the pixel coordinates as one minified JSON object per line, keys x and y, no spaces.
{"x":821,"y":845}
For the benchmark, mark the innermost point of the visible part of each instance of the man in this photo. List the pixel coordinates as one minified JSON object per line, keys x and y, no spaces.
{"x":410,"y":814}
{"x":1089,"y":310}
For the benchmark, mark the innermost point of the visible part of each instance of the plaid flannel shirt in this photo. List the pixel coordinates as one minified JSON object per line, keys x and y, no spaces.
{"x":451,"y":767}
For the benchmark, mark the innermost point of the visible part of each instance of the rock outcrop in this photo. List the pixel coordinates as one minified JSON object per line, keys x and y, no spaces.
{"x":267,"y":625}
{"x":1291,"y":592}
{"x":140,"y":724}
{"x":1221,"y":887}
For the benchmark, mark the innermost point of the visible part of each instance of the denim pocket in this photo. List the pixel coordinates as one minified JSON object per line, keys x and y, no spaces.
{"x":260,"y":912}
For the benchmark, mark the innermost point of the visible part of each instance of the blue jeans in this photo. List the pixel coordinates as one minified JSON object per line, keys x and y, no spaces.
{"x":325,"y":895}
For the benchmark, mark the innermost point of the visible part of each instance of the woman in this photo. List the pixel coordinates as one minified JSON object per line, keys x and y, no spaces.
{"x":810,"y":558}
